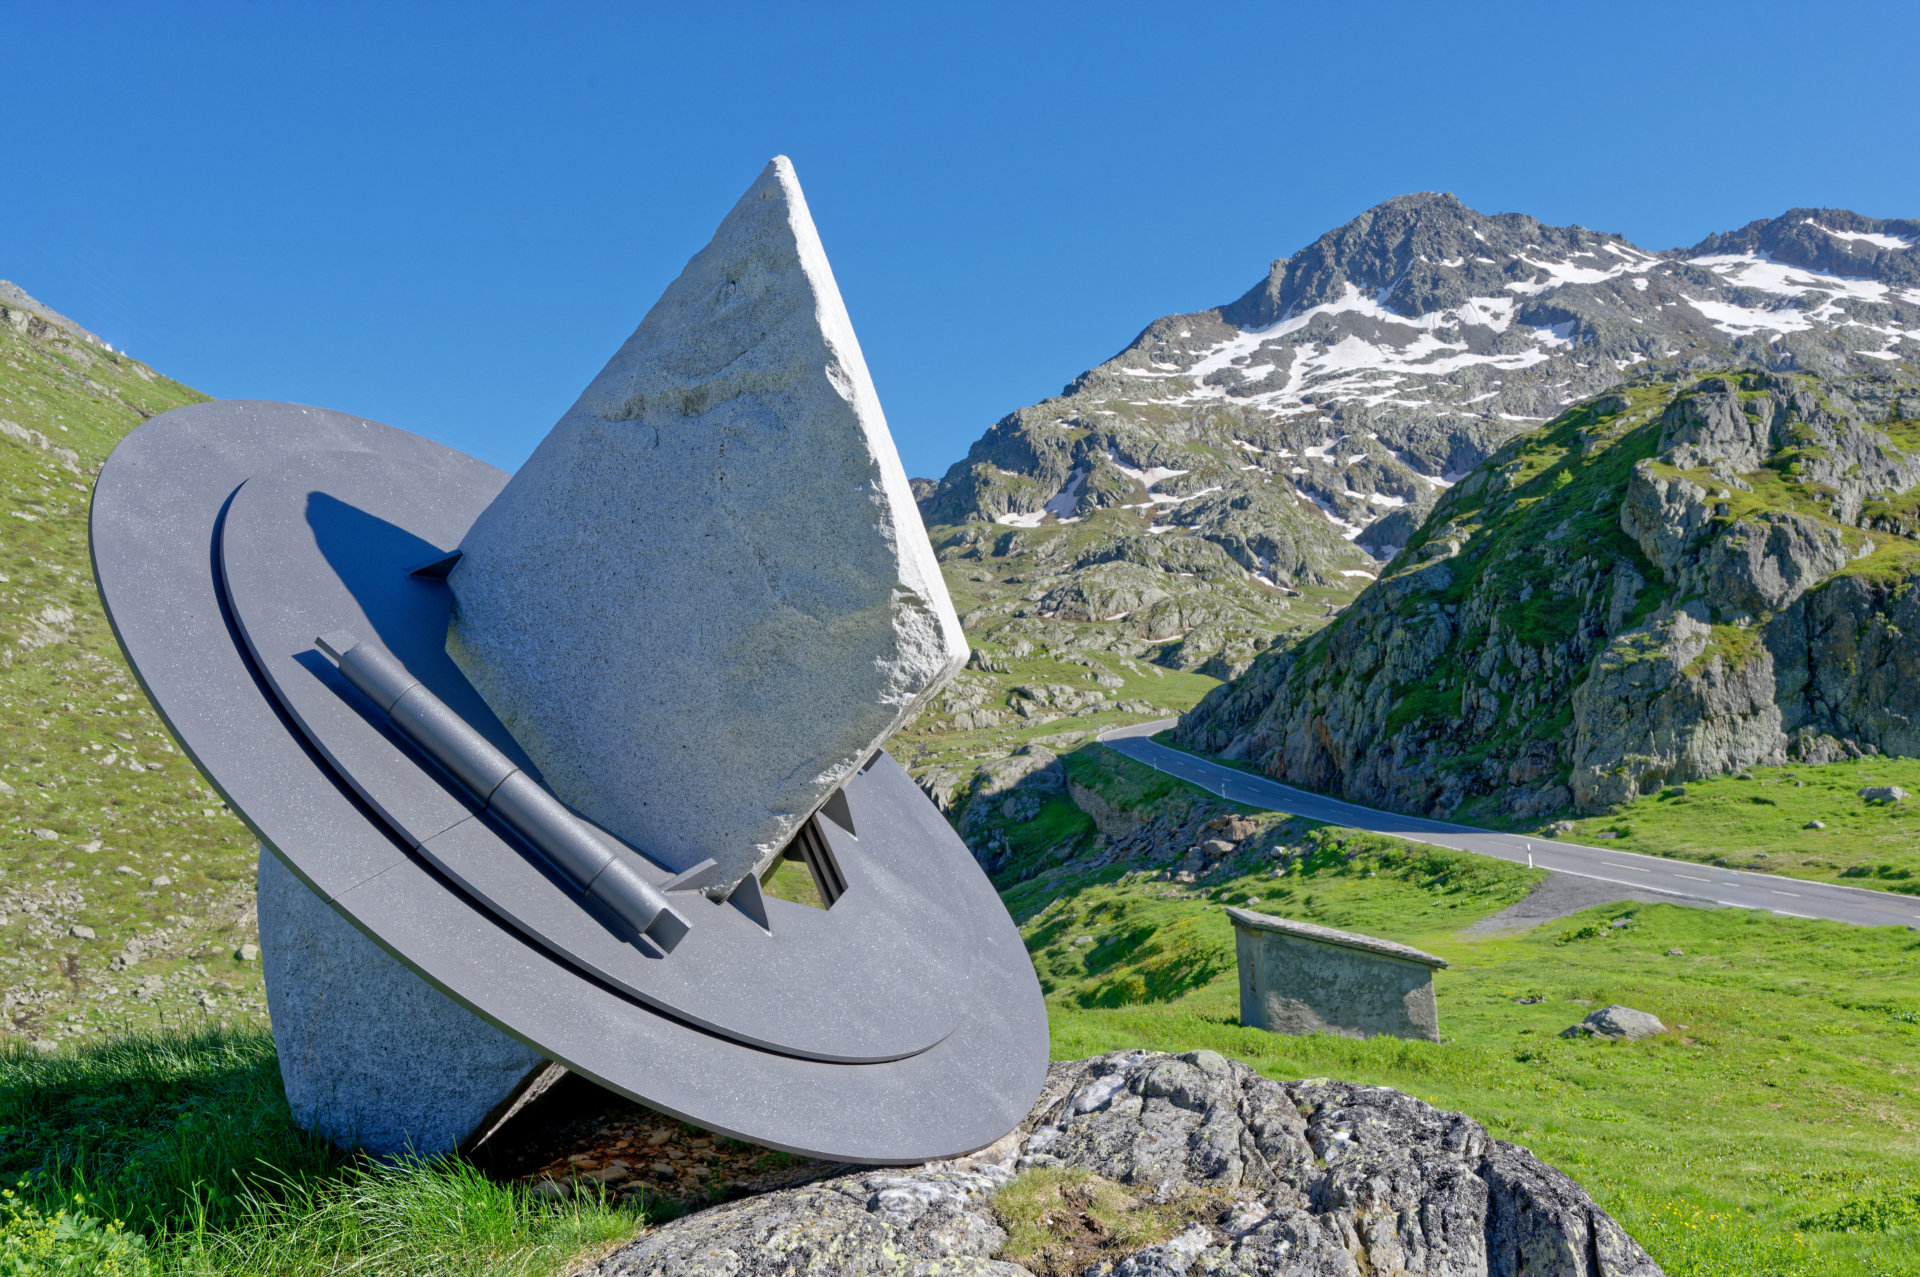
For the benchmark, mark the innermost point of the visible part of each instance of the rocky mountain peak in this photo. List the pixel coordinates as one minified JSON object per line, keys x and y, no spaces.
{"x":1825,"y":241}
{"x":1418,"y":254}
{"x":1683,"y":577}
{"x":21,"y":310}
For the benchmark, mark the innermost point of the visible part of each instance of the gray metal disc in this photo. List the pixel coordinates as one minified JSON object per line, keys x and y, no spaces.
{"x":325,"y":542}
{"x":157,"y":523}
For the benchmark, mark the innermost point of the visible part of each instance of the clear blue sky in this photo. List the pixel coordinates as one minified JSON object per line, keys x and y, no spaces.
{"x":448,"y":217}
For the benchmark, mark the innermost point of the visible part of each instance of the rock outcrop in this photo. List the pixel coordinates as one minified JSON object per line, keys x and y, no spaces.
{"x":1298,"y":1179}
{"x":1680,"y":579}
{"x":710,"y":581}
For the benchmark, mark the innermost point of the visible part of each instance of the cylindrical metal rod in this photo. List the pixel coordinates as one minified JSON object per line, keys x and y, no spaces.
{"x":566,"y":841}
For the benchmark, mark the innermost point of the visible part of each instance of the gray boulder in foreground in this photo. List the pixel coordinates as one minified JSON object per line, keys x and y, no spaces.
{"x":708,"y":597}
{"x":1616,"y":1022}
{"x":1295,"y":1179}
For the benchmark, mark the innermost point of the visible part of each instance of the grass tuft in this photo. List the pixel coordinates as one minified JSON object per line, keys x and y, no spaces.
{"x":188,"y":1140}
{"x":1063,"y":1221}
{"x":407,"y":1219}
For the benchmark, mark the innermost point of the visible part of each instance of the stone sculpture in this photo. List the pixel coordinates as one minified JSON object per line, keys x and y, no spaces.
{"x":516,"y":748}
{"x":712,"y":573}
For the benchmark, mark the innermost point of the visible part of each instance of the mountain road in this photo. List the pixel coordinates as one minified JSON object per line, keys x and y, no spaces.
{"x":1794,"y":897}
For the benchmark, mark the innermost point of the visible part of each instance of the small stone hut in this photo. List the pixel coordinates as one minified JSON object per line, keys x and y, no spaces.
{"x":1296,"y":977}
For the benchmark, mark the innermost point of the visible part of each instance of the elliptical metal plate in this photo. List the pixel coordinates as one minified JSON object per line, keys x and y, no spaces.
{"x":158,"y":515}
{"x":326,"y":543}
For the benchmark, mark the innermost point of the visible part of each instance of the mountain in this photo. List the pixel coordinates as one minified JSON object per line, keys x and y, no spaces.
{"x":1239,"y":472}
{"x":1683,"y":577}
{"x":29,"y":317}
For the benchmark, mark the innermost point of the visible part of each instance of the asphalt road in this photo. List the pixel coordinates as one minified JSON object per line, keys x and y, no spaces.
{"x":1790,"y":896}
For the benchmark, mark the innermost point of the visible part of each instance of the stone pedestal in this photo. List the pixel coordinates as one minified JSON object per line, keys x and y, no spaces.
{"x":372,"y":1056}
{"x":1296,"y":977}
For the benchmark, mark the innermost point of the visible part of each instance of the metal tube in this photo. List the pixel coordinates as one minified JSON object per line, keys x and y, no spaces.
{"x":431,"y":723}
{"x":542,"y":820}
{"x":521,"y":803}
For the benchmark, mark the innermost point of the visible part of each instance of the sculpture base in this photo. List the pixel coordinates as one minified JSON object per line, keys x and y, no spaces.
{"x":372,"y":1056}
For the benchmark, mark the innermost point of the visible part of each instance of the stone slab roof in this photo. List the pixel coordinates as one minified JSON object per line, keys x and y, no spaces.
{"x":1327,"y":935}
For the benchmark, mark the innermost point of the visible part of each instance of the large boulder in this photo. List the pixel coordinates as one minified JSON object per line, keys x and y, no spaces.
{"x":708,"y":597}
{"x":1294,"y":1179}
{"x":1665,"y":516}
{"x":1716,"y":423}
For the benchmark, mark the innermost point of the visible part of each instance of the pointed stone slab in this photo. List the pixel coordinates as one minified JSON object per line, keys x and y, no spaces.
{"x":708,"y":597}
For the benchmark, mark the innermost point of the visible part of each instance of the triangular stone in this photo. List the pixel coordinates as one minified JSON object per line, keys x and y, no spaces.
{"x":708,"y":596}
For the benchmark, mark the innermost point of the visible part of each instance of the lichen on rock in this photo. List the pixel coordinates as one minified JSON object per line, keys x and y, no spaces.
{"x":1275,"y":1179}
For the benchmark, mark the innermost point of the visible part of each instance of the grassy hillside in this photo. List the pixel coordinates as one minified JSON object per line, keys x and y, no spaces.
{"x":1596,"y":613}
{"x":1801,"y":821}
{"x":125,"y":886}
{"x":1770,"y":1132}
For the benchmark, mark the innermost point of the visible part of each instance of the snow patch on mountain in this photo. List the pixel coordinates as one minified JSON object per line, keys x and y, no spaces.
{"x":1865,"y":237}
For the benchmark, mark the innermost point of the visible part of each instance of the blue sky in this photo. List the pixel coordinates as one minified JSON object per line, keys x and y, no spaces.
{"x":448,"y":217}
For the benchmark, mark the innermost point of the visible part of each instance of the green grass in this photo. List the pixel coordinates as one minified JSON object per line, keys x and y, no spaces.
{"x":1762,"y":823}
{"x":1770,"y":1133}
{"x":443,"y":1219}
{"x":96,"y":802}
{"x":146,"y":1122}
{"x":1776,"y":1117}
{"x":1748,"y":1142}
{"x":793,"y":881}
{"x":185,"y":1139}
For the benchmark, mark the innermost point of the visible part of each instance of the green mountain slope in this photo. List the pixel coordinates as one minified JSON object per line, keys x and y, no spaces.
{"x":1687,"y":577}
{"x":125,"y":885}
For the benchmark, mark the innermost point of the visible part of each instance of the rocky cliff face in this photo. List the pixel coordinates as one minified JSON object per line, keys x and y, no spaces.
{"x":1233,"y":471}
{"x":1248,"y":1176}
{"x":1677,"y":579}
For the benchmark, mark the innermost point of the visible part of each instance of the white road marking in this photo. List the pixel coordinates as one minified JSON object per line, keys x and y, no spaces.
{"x":1794,"y":894}
{"x":1691,"y":878}
{"x":1631,"y":868}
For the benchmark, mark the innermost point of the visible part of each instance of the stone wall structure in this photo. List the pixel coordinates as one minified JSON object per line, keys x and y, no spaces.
{"x":1296,"y":977}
